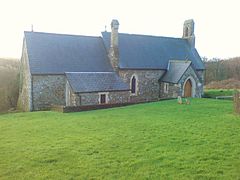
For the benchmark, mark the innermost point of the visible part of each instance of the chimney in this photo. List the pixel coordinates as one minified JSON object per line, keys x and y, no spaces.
{"x":188,"y":32}
{"x":113,"y":51}
{"x":114,"y":34}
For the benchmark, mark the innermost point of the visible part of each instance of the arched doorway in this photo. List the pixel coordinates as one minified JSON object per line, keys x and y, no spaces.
{"x":188,"y":89}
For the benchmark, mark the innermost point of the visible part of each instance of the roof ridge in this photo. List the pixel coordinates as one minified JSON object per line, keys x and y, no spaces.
{"x":147,"y":35}
{"x":62,"y":34}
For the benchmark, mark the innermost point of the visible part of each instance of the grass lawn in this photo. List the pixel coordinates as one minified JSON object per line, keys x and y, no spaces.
{"x":154,"y":140}
{"x":213,"y":93}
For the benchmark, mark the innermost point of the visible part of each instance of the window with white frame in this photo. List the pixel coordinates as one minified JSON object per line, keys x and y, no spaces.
{"x":166,"y":87}
{"x":103,"y":98}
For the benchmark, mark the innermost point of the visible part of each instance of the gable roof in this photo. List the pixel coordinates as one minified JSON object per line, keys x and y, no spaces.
{"x":175,"y":71}
{"x":96,"y":82}
{"x":152,"y":52}
{"x":58,"y":53}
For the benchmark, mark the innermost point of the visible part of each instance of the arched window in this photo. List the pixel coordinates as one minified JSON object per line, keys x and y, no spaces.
{"x":133,"y":85}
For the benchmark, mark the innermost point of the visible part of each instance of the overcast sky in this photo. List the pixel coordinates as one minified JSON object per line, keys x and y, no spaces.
{"x":217,"y":22}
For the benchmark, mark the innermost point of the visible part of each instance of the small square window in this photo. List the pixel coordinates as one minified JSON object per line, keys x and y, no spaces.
{"x":103,"y":98}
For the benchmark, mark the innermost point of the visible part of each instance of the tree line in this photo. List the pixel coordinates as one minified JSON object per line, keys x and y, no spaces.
{"x":9,"y":83}
{"x":219,"y":69}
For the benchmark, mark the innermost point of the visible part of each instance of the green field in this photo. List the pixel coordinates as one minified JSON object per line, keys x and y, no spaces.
{"x":213,"y":93}
{"x":161,"y":140}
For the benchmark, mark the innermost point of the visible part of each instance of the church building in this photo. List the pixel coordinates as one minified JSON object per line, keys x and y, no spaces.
{"x":77,"y":70}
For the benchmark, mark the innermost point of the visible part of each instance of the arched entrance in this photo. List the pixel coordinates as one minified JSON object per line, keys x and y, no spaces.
{"x":188,"y":89}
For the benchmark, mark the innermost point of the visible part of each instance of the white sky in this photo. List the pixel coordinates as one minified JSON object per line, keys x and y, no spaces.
{"x":217,"y":22}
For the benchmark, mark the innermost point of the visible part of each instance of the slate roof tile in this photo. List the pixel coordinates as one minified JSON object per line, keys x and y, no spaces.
{"x":175,"y":71}
{"x":96,"y":82}
{"x":152,"y":52}
{"x":59,"y":53}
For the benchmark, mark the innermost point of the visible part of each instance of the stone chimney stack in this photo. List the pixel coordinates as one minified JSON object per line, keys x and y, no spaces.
{"x":113,"y":51}
{"x":114,"y":34}
{"x":188,"y":32}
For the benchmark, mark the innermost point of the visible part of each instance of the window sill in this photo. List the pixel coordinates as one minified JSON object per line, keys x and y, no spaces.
{"x":133,"y":94}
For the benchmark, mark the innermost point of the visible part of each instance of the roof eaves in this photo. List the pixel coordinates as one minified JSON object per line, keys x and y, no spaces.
{"x":121,"y":68}
{"x":169,"y":82}
{"x":116,"y":90}
{"x":47,"y":74}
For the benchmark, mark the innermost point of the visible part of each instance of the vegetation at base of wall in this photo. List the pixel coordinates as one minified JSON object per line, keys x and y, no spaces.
{"x":9,"y":79}
{"x":213,"y":93}
{"x":160,"y":140}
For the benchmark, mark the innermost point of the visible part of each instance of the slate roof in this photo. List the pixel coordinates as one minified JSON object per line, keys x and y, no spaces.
{"x":152,"y":52}
{"x":175,"y":71}
{"x":58,"y":53}
{"x":95,"y":82}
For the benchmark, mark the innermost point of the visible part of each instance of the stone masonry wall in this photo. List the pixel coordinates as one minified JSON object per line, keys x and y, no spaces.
{"x":48,"y":90}
{"x":173,"y":91}
{"x":89,"y":98}
{"x":201,"y":76}
{"x":72,"y":99}
{"x":78,"y":99}
{"x":119,"y":97}
{"x":25,"y":84}
{"x":147,"y":83}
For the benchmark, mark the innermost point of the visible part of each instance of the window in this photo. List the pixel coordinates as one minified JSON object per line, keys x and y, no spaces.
{"x":103,"y":98}
{"x":133,"y":85}
{"x":166,"y":88}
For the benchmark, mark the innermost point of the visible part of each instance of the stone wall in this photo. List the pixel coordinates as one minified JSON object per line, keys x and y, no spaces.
{"x":48,"y":90}
{"x":119,"y":97}
{"x":147,"y":83}
{"x":201,"y":78}
{"x":72,"y":99}
{"x":85,"y":99}
{"x":173,"y":91}
{"x":25,"y":84}
{"x":200,"y":74}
